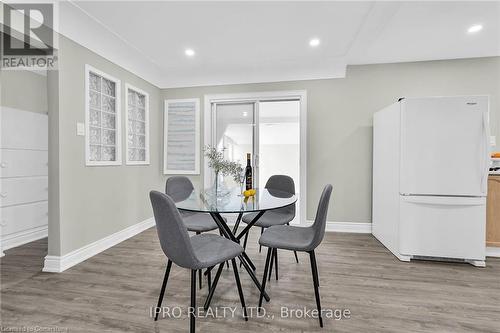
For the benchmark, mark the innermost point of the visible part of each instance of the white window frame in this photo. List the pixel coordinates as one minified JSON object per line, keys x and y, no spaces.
{"x":196,"y":170}
{"x":146,"y":119}
{"x":118,"y":123}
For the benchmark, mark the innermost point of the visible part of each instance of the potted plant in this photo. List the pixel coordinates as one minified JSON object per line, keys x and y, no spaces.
{"x":223,"y":167}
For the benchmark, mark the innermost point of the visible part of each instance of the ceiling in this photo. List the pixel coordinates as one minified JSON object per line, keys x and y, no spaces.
{"x":242,"y":42}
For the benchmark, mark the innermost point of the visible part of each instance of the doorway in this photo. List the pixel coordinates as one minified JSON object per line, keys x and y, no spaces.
{"x":269,"y":126}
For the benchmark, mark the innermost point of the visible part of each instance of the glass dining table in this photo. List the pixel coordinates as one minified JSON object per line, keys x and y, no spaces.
{"x":232,"y":202}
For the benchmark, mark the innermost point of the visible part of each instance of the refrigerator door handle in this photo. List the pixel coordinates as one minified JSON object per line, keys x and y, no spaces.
{"x":485,"y":154}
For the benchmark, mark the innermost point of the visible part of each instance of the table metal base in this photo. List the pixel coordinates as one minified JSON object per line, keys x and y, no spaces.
{"x":228,"y":233}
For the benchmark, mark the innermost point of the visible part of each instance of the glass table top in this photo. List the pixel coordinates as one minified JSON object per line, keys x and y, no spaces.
{"x":233,"y":202}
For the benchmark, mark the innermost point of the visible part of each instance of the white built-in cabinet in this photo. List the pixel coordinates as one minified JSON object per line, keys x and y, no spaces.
{"x":23,"y":177}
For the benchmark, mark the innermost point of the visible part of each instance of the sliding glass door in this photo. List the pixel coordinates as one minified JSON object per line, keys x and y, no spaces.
{"x":267,"y":129}
{"x":279,"y":142}
{"x":234,"y":132}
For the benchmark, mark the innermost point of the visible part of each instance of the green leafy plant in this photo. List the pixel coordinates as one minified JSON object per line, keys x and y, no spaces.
{"x":236,"y":171}
{"x":216,"y":160}
{"x":222,"y":166}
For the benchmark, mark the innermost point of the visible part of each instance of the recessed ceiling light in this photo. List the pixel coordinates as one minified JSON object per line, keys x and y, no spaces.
{"x":245,"y":113}
{"x":189,"y":52}
{"x":314,"y":42}
{"x":475,"y":28}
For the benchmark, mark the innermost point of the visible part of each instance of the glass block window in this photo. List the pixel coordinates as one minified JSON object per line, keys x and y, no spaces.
{"x":137,"y":126}
{"x":103,"y":140}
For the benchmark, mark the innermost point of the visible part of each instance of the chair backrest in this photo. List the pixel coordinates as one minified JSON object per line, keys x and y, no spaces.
{"x":282,"y":183}
{"x":172,"y":232}
{"x":319,"y":224}
{"x":178,"y":187}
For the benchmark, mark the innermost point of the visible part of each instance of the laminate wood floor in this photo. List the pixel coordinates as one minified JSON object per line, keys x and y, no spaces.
{"x":113,"y":291}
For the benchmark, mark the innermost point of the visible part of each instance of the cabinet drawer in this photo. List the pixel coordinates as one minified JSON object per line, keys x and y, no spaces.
{"x":23,"y":129}
{"x":20,"y":163}
{"x":16,"y":191}
{"x":24,"y":217}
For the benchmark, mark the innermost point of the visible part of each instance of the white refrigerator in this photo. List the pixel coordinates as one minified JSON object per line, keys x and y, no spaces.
{"x":430,"y":169}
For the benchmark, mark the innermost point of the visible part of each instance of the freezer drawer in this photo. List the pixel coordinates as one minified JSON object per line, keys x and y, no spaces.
{"x":448,"y":227}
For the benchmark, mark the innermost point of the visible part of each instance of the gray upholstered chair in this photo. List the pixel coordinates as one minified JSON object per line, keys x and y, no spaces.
{"x":179,"y":188}
{"x":299,"y":239}
{"x":274,"y":217}
{"x":194,"y":253}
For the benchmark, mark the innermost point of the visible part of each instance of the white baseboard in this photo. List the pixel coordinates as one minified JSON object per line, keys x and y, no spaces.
{"x":22,"y":237}
{"x":492,"y":251}
{"x":58,"y":264}
{"x":352,"y":227}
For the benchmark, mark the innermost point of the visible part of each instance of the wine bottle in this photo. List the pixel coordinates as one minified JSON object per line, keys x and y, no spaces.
{"x":248,"y":174}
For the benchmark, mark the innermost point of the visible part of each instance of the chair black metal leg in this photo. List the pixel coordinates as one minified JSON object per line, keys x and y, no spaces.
{"x":276,"y":263}
{"x":261,"y":232}
{"x":163,"y":287}
{"x":240,"y":291}
{"x":271,"y":265}
{"x":314,"y":269}
{"x":192,"y":318}
{"x":209,"y":278}
{"x":199,"y":272}
{"x":264,"y":277}
{"x":214,"y":285}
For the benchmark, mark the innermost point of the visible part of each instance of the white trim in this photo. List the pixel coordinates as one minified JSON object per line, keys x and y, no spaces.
{"x":196,"y":170}
{"x":331,"y":226}
{"x":118,"y":123}
{"x":22,"y":237}
{"x":350,"y":227}
{"x":492,"y":251}
{"x":257,"y":97}
{"x":58,"y":264}
{"x":146,"y":119}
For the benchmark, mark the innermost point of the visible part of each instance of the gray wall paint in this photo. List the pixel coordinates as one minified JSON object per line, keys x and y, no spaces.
{"x":24,"y":90}
{"x":340,"y":114}
{"x":54,"y":241}
{"x":96,"y":202}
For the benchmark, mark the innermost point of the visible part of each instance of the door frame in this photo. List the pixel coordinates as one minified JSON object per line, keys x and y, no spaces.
{"x":300,"y":95}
